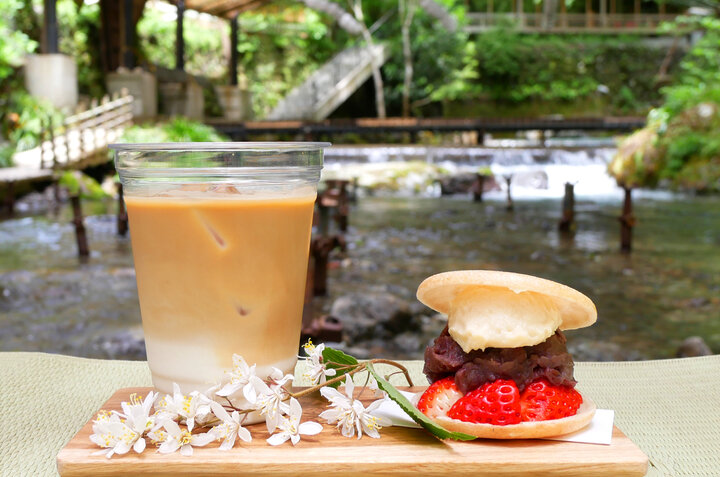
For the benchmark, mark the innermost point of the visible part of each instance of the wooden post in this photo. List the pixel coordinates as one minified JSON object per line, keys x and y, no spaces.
{"x":324,"y":217}
{"x":637,"y":7}
{"x":353,"y":195}
{"x":179,"y":37}
{"x":122,"y":217}
{"x":80,"y":234}
{"x":343,"y":208}
{"x":520,"y":13}
{"x":627,"y":222}
{"x":320,"y":249}
{"x":50,"y":28}
{"x":603,"y":13}
{"x":10,"y":199}
{"x":509,"y":206}
{"x":589,"y":20}
{"x":478,"y":187}
{"x":563,"y":14}
{"x":129,"y":30}
{"x":567,"y":222}
{"x":232,"y":71}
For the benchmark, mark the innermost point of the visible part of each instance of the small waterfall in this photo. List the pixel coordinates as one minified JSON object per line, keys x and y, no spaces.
{"x":537,"y":172}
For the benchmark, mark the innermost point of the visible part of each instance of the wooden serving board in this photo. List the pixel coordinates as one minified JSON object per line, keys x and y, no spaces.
{"x":399,"y":452}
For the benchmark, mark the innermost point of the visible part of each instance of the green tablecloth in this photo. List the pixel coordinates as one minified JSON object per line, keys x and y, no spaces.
{"x":669,"y":408}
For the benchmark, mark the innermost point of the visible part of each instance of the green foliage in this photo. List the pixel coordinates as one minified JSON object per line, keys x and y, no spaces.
{"x":516,"y":67}
{"x":697,"y":79}
{"x":684,"y":150}
{"x":14,"y":44}
{"x":417,"y":416}
{"x":25,"y":120}
{"x":336,"y":359}
{"x":277,"y":48}
{"x":79,"y":31}
{"x":203,"y":42}
{"x":277,"y":55}
{"x":177,"y":130}
{"x":444,"y":63}
{"x":81,"y":184}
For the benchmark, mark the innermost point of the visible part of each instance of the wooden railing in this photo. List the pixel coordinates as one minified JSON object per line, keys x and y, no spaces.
{"x":82,"y":136}
{"x":569,"y":22}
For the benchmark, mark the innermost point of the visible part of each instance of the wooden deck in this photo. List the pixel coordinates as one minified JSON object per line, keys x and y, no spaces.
{"x":241,"y":131}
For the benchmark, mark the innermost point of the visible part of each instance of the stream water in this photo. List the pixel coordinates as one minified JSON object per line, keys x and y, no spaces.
{"x":648,"y":302}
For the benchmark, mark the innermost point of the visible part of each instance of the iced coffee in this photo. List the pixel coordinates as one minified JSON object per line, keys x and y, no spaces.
{"x":221,"y":250}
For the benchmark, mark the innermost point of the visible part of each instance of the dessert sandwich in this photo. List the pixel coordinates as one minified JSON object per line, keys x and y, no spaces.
{"x":500,"y":368}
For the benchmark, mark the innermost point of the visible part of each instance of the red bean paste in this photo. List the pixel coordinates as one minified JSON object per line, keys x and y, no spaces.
{"x":549,"y":359}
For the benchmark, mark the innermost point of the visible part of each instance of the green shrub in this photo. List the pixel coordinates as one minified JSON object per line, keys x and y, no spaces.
{"x":176,"y":130}
{"x":516,"y":68}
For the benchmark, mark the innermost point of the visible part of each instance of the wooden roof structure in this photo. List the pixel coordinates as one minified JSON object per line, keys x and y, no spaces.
{"x":223,"y":8}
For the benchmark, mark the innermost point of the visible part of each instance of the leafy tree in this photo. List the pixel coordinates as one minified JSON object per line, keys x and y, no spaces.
{"x":680,"y":145}
{"x":204,"y":52}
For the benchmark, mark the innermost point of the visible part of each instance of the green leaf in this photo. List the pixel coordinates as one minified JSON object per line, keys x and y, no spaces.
{"x":417,"y":416}
{"x":331,"y":355}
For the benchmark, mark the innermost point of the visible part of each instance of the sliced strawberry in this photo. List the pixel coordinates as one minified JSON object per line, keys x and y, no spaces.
{"x":496,"y":403}
{"x":542,"y":401}
{"x":439,"y":397}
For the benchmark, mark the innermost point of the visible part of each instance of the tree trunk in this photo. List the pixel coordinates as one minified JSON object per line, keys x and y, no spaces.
{"x":377,"y":77}
{"x":407,"y":12}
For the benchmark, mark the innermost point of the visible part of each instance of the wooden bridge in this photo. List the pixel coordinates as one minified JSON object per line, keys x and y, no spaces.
{"x":311,"y":130}
{"x":79,"y":142}
{"x":590,"y":22}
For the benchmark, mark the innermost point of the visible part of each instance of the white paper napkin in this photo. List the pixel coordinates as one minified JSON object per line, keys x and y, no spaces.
{"x":598,"y":432}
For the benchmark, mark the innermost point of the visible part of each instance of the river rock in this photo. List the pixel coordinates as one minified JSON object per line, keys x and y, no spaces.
{"x":372,"y":315}
{"x":692,"y":347}
{"x":409,"y":343}
{"x":457,"y":184}
{"x":591,"y":350}
{"x":462,"y":183}
{"x":125,"y":344}
{"x":530,"y":180}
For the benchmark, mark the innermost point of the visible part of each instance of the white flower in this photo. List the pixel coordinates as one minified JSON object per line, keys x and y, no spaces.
{"x":175,"y":438}
{"x":373,"y":386}
{"x":290,"y":427}
{"x":350,"y":414}
{"x":116,"y":436}
{"x":239,"y":377}
{"x":268,"y":400}
{"x":137,"y":413}
{"x":186,"y":408}
{"x":230,"y":427}
{"x":316,"y":371}
{"x":278,"y":379}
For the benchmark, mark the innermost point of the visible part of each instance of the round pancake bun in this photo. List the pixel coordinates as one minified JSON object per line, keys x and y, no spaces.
{"x":503,"y":309}
{"x":524,"y":430}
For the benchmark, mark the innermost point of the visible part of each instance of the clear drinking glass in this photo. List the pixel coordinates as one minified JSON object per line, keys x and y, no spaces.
{"x":220,"y":236}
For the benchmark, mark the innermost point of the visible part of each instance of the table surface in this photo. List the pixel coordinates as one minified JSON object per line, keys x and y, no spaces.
{"x":669,"y":408}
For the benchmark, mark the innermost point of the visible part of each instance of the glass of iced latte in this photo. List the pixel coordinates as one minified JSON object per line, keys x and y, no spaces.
{"x":220,"y":236}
